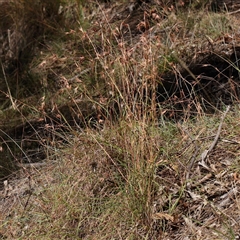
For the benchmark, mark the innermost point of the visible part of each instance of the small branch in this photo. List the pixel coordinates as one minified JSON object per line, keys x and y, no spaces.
{"x":78,"y":75}
{"x":32,"y":165}
{"x":230,"y":13}
{"x":193,"y":158}
{"x":206,"y":152}
{"x":214,"y":143}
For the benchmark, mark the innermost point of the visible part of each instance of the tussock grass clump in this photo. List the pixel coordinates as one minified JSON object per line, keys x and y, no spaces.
{"x":130,"y":182}
{"x":105,"y":186}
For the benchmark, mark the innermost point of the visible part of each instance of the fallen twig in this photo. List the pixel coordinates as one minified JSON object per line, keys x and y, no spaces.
{"x":205,"y":152}
{"x":78,"y":75}
{"x":214,"y":143}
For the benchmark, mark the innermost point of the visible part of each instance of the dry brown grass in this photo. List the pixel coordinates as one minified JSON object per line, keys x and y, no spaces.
{"x":130,"y":182}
